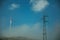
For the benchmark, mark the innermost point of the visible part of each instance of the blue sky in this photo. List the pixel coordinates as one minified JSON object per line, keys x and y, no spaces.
{"x":27,"y":17}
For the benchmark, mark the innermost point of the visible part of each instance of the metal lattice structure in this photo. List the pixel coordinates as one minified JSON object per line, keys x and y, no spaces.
{"x":44,"y":27}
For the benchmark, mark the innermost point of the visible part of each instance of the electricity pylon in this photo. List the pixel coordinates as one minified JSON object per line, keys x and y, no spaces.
{"x":44,"y":27}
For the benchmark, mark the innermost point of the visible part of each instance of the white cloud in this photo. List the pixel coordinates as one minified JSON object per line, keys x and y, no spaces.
{"x":39,"y":5}
{"x":25,"y":31}
{"x":14,"y":6}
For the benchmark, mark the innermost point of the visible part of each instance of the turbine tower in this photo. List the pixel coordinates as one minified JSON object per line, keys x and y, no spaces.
{"x":44,"y":27}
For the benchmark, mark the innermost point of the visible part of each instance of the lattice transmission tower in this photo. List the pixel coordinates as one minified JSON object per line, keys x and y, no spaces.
{"x":44,"y":27}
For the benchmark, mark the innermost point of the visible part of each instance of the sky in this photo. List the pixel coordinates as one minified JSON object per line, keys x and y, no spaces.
{"x":26,"y":18}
